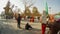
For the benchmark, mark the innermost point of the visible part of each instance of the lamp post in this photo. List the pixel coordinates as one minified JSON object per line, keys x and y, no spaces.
{"x":50,"y":10}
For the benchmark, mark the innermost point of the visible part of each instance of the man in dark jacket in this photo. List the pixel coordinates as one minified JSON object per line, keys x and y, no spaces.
{"x":18,"y":21}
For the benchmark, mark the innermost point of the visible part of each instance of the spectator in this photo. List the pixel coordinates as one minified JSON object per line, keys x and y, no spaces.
{"x":28,"y":27}
{"x":19,"y":21}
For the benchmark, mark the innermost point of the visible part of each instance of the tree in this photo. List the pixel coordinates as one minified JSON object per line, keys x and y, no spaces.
{"x":28,"y":4}
{"x":35,"y":12}
{"x":8,"y":10}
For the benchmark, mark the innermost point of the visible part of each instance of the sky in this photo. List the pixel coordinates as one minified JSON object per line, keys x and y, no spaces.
{"x":40,"y":4}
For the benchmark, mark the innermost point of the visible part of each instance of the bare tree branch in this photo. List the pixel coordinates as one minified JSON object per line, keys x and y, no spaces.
{"x":28,"y":3}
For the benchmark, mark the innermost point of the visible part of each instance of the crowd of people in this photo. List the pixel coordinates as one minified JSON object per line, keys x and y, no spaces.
{"x":51,"y":22}
{"x":47,"y":21}
{"x":27,"y":26}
